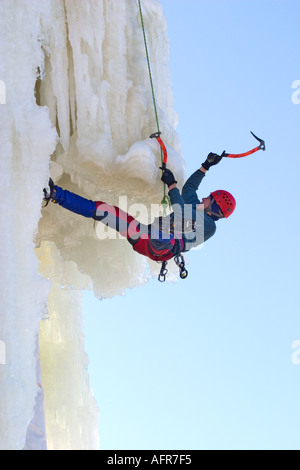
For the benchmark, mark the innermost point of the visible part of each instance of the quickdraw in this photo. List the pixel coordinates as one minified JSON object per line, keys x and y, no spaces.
{"x":163,"y":272}
{"x":179,"y":260}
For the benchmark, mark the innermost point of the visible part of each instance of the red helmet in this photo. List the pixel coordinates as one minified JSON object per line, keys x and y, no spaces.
{"x":225,"y":201}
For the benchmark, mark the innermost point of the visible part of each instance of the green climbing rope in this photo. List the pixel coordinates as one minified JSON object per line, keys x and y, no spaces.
{"x":149,"y":66}
{"x":165,"y":201}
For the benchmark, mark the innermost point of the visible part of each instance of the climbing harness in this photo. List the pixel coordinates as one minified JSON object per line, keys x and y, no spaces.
{"x":171,"y":226}
{"x":165,"y":200}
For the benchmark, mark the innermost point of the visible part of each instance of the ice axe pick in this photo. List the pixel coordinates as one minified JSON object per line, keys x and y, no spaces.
{"x":261,"y":146}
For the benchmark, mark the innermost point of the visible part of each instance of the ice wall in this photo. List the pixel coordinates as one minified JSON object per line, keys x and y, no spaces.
{"x":78,"y":103}
{"x":27,"y":140}
{"x":102,"y":107}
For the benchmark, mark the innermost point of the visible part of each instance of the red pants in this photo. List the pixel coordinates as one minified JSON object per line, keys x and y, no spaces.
{"x":145,"y":239}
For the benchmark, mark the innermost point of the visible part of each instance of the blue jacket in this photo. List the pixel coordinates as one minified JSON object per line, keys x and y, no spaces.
{"x":185,"y":208}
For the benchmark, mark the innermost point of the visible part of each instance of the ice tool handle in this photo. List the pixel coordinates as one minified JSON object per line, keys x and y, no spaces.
{"x":261,"y":146}
{"x":164,"y":157}
{"x":156,"y":136}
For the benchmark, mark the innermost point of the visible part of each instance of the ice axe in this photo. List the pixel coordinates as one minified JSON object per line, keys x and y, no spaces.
{"x":261,"y":146}
{"x":156,"y":136}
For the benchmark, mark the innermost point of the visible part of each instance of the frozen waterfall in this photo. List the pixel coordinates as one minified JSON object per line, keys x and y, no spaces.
{"x":75,"y":104}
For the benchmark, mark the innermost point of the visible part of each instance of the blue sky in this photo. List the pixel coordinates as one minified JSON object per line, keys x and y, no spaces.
{"x":206,"y":363}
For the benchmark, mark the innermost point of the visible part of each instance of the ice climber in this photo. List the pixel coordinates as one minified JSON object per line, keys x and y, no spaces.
{"x":190,"y":224}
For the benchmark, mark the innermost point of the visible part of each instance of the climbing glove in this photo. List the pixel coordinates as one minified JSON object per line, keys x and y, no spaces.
{"x":49,"y":194}
{"x":168,"y":177}
{"x":212,"y":159}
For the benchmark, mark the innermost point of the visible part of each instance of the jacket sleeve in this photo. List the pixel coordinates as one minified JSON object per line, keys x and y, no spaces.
{"x":189,"y":190}
{"x":176,"y":198}
{"x":177,"y":203}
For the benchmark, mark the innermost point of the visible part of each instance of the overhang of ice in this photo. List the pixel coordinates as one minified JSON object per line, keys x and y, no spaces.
{"x":78,"y":107}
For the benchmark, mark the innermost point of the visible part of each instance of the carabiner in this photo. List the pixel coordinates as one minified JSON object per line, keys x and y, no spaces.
{"x":163,"y":272}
